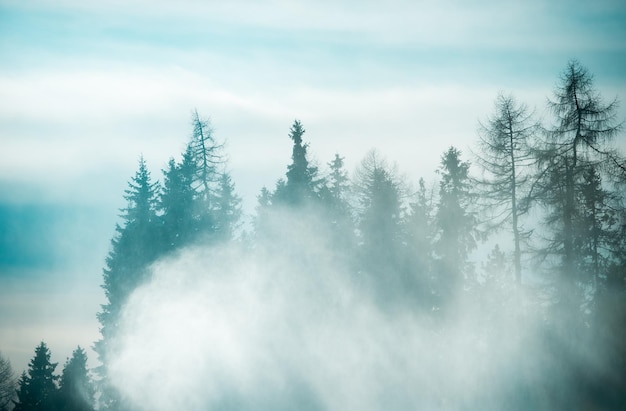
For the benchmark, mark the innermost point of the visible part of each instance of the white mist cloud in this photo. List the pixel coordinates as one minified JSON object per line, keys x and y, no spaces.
{"x":232,"y":328}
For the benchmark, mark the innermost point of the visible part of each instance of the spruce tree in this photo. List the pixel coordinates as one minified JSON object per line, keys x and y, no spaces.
{"x":337,"y":210}
{"x":38,"y":388}
{"x":456,"y":224}
{"x":177,"y":203}
{"x":76,"y":391}
{"x":419,"y":232}
{"x":301,"y":183}
{"x":379,"y":192}
{"x":227,"y":208}
{"x":134,"y":247}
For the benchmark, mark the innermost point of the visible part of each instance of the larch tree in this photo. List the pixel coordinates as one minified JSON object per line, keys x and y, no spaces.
{"x":7,"y":383}
{"x":580,"y":138}
{"x":207,"y":153}
{"x":505,"y":158}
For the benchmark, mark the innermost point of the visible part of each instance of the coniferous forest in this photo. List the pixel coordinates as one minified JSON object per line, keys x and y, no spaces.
{"x":499,"y":285}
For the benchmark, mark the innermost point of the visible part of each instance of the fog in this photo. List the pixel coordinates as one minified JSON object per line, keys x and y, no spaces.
{"x":285,"y":327}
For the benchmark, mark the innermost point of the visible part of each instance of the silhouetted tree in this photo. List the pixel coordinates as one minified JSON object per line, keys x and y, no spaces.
{"x":379,"y":194}
{"x":76,"y":391}
{"x":584,"y":126}
{"x":207,"y":155}
{"x":7,"y":384}
{"x":227,"y":208}
{"x":335,"y":199}
{"x":505,"y":157}
{"x":38,"y":388}
{"x":595,"y":226}
{"x":177,"y":202}
{"x":420,"y":233}
{"x":133,"y":249}
{"x":456,"y":224}
{"x":301,"y":181}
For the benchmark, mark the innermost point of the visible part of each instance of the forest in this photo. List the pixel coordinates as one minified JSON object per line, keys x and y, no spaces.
{"x":501,"y":285}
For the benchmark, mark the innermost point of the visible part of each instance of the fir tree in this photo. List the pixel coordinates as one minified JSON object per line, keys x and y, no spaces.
{"x":227,"y":208}
{"x":301,"y":181}
{"x":456,"y":224}
{"x":379,"y":194}
{"x":337,"y":210}
{"x":133,"y":249}
{"x":419,"y":232}
{"x":38,"y":388}
{"x":76,"y":392}
{"x":178,"y":202}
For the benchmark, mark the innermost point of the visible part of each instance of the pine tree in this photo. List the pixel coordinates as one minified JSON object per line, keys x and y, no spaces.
{"x":456,"y":224}
{"x":227,"y":208}
{"x":133,"y":249}
{"x":177,"y":203}
{"x":301,"y":181}
{"x":505,"y":157}
{"x":76,"y":391}
{"x":594,"y":227}
{"x":379,"y":192}
{"x":419,"y":232}
{"x":38,"y":388}
{"x":334,"y":195}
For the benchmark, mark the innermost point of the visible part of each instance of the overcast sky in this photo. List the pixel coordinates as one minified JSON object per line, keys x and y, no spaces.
{"x":86,"y":87}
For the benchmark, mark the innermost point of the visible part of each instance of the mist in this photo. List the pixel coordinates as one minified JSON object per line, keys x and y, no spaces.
{"x":237,"y":328}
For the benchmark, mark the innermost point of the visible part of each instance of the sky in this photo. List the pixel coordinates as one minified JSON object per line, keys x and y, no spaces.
{"x":88,"y":87}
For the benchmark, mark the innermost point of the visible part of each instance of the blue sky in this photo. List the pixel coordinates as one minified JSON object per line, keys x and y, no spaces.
{"x":86,"y":87}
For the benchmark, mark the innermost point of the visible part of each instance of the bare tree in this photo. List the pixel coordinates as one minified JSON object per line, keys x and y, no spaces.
{"x":504,"y":157}
{"x":207,"y":153}
{"x":579,"y":140}
{"x":8,"y":383}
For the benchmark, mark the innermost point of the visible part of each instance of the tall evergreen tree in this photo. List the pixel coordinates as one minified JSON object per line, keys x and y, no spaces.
{"x":133,"y":249}
{"x":76,"y":391}
{"x":505,"y":157}
{"x":594,"y":227}
{"x":38,"y":388}
{"x":380,"y":193}
{"x":227,"y":208}
{"x":420,"y":232}
{"x":301,"y":181}
{"x":456,"y":224}
{"x":335,"y":195}
{"x":177,"y":203}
